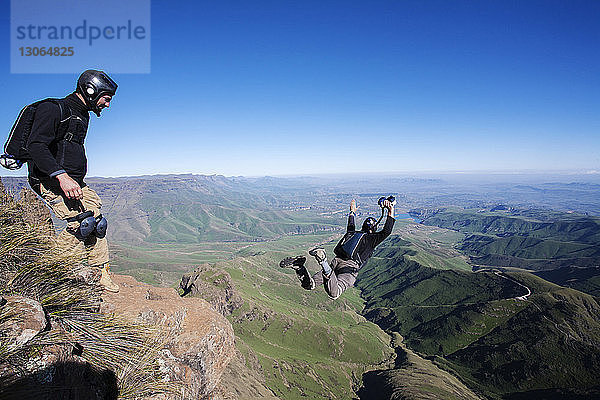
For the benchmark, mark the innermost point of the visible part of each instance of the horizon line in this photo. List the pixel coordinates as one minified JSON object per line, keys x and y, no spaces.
{"x":581,"y":172}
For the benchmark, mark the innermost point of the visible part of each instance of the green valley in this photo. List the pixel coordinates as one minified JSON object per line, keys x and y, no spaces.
{"x":302,"y":344}
{"x":476,"y":300}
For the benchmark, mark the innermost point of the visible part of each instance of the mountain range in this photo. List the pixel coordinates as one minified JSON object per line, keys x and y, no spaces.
{"x":487,"y":292}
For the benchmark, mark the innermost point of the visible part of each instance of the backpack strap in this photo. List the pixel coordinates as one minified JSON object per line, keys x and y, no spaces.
{"x":66,"y":126}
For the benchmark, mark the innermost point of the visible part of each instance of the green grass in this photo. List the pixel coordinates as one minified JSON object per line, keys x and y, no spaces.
{"x":418,"y":284}
{"x":585,"y":280}
{"x":549,"y":344}
{"x":430,"y":246}
{"x":308,"y":345}
{"x":530,"y":239}
{"x":196,"y":221}
{"x":472,"y":325}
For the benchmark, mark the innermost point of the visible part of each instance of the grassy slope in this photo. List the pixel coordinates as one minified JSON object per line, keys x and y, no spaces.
{"x":437,"y":311}
{"x":530,"y":239}
{"x":413,"y":378}
{"x":198,"y":214}
{"x":500,"y":346}
{"x":449,"y":312}
{"x":307,"y":345}
{"x":533,"y":223}
{"x":585,"y":280}
{"x":552,"y":343}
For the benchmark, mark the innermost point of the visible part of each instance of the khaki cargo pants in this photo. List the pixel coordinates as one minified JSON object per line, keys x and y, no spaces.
{"x":95,"y":249}
{"x":343,"y":277}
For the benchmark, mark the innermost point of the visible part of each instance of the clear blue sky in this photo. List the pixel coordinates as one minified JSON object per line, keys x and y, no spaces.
{"x":279,"y":87}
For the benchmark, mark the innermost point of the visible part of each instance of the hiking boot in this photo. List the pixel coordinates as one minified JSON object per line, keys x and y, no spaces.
{"x":319,"y":254}
{"x":293,"y":262}
{"x":306,"y":281}
{"x":105,"y":280}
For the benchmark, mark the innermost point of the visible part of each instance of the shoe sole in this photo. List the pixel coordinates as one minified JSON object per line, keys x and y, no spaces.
{"x":313,"y":253}
{"x":110,"y":290}
{"x":291,"y":262}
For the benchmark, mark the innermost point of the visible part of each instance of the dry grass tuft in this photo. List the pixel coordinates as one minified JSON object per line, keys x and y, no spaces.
{"x":32,"y":266}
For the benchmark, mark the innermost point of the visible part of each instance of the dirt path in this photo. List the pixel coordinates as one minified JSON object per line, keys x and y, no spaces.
{"x":524,"y":297}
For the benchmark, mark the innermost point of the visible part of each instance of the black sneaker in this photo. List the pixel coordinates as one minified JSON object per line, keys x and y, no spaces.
{"x":293,"y":262}
{"x":306,"y":281}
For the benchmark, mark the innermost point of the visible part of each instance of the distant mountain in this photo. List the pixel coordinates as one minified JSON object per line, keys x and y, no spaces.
{"x":529,"y":239}
{"x":197,"y":208}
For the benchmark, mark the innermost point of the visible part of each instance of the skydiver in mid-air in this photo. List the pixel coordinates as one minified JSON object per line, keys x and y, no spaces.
{"x":351,"y":253}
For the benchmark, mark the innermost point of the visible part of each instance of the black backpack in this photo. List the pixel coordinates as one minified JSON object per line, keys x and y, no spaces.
{"x":15,"y":148}
{"x":348,"y":245}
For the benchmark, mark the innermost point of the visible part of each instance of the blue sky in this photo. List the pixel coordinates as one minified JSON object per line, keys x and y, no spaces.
{"x":277,"y":87}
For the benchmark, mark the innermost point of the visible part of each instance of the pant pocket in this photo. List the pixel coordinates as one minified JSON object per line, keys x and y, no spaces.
{"x":56,"y":202}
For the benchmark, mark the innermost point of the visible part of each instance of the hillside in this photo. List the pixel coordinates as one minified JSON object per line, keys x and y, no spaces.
{"x":553,"y":343}
{"x":412,"y":378}
{"x":585,"y":280}
{"x":295,"y":344}
{"x":529,"y":239}
{"x":63,"y":337}
{"x":301,"y":344}
{"x":479,"y":326}
{"x":434,"y":309}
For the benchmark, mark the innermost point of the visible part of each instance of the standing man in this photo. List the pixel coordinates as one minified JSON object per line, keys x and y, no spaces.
{"x":58,"y":166}
{"x":351,"y":253}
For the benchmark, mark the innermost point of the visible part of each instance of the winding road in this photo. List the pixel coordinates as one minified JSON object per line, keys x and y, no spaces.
{"x":524,"y":297}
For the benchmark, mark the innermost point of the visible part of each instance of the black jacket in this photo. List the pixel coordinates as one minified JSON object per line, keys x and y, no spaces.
{"x":367,"y":242}
{"x":52,"y":155}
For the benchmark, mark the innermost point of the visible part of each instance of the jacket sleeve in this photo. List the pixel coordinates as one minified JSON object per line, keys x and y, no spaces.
{"x":385,"y":232}
{"x":43,"y":134}
{"x":351,"y":226}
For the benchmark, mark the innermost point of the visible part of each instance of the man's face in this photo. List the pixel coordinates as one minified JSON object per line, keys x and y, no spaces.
{"x":104,"y":102}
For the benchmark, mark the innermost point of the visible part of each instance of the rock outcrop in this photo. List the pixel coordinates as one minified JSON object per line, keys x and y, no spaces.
{"x":58,"y":340}
{"x":213,"y":285}
{"x":30,"y":320}
{"x":198,"y":346}
{"x":201,"y":341}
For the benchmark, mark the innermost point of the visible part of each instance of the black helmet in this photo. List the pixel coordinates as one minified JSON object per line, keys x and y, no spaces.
{"x":369,"y":225}
{"x":94,"y":84}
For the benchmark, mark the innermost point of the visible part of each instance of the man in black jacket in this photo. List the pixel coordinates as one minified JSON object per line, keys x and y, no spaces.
{"x":58,"y":166}
{"x":351,"y":253}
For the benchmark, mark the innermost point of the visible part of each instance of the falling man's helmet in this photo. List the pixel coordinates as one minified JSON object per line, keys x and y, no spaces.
{"x":369,"y":225}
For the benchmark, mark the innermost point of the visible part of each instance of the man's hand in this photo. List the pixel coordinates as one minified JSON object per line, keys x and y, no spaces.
{"x":390,"y":207}
{"x":353,"y":206}
{"x":70,"y":188}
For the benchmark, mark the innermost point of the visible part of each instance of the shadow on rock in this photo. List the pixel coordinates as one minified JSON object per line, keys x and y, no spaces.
{"x":62,"y":380}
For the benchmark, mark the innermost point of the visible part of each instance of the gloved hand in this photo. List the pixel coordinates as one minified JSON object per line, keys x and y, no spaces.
{"x":388,"y":204}
{"x":391,"y":199}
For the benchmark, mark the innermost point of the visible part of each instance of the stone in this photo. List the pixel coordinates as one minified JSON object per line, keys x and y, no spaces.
{"x":213,"y":285}
{"x":201,"y":341}
{"x":29,"y":320}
